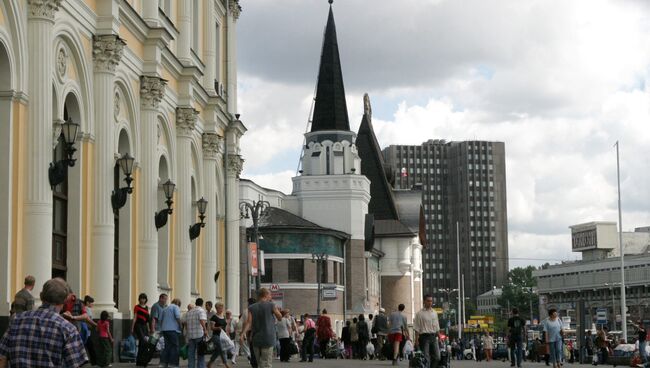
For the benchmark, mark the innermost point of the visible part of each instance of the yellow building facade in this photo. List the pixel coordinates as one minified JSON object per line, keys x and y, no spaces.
{"x":153,"y":80}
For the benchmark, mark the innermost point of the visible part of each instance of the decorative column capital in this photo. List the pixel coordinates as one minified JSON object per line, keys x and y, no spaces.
{"x":57,"y":125}
{"x":212,"y":145}
{"x":235,"y":8}
{"x":152,"y":90}
{"x":235,"y":165}
{"x":107,"y":52}
{"x":43,"y":8}
{"x":185,"y":121}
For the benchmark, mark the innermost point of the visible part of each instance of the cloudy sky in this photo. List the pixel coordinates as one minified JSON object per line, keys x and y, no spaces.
{"x":558,"y":81}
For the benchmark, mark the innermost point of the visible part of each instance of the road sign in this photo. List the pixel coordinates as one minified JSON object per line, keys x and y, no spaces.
{"x":601,"y":316}
{"x":275,"y":287}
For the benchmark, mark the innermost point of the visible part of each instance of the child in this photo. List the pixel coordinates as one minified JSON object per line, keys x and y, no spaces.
{"x":105,"y":341}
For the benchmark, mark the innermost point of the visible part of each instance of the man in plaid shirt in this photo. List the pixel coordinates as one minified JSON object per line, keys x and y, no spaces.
{"x":196,"y":328}
{"x":43,"y":338}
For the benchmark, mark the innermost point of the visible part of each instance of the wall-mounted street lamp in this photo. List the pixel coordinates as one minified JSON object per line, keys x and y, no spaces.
{"x":195,"y":230}
{"x":119,"y":196}
{"x":161,"y":216}
{"x":59,"y":169}
{"x":253,"y":211}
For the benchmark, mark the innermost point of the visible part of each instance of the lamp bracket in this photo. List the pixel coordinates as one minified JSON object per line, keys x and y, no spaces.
{"x":119,"y":196}
{"x":195,"y":230}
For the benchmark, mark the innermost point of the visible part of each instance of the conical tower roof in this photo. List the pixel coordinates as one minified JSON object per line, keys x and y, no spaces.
{"x":330,"y":110}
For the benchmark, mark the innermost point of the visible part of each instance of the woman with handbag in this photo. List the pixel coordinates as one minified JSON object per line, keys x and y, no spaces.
{"x":218,"y":323}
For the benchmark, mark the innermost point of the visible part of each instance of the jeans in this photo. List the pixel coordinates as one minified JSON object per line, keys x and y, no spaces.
{"x":194,"y":359}
{"x":218,"y":351}
{"x":516,"y":351}
{"x":555,"y":351}
{"x":429,"y":345}
{"x":264,"y":356}
{"x":169,"y":355}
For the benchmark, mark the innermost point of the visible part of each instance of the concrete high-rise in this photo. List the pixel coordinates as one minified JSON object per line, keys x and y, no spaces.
{"x":464,"y":183}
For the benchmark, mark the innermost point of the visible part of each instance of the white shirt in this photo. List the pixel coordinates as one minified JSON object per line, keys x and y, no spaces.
{"x":426,"y":321}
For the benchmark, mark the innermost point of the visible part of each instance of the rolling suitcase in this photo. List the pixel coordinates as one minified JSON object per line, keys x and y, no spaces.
{"x":146,"y":352}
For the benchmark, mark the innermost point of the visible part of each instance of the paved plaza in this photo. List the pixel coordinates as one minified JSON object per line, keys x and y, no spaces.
{"x":370,"y":363}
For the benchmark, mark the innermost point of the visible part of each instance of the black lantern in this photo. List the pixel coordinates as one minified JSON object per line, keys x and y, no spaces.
{"x":161,"y":217}
{"x":59,"y":169}
{"x":119,"y":196}
{"x":195,"y":230}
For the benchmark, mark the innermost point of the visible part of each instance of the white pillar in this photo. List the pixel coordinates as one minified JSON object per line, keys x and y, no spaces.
{"x":184,"y":42}
{"x":185,"y":123}
{"x":211,"y":155}
{"x":152,"y":90}
{"x":209,"y":47}
{"x":150,"y":14}
{"x":37,"y":240}
{"x":107,"y":52}
{"x":233,"y":169}
{"x":231,"y":61}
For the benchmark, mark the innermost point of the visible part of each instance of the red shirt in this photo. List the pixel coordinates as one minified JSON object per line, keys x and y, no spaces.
{"x":102,"y":327}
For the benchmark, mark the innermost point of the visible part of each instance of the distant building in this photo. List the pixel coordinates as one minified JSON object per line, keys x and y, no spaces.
{"x":462,"y":182}
{"x":488,"y":302}
{"x":596,"y":278}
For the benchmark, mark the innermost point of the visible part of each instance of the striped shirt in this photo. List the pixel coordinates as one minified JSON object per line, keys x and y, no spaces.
{"x":42,"y":338}
{"x":141,"y":314}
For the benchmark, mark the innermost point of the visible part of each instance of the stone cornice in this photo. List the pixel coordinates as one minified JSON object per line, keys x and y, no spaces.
{"x":212,"y":145}
{"x":152,"y":90}
{"x":107,"y":52}
{"x":44,"y":9}
{"x":235,"y":165}
{"x":235,"y":8}
{"x":185,"y":121}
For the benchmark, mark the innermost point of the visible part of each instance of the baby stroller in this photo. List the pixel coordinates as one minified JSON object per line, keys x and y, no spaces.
{"x":444,"y":359}
{"x":332,"y":350}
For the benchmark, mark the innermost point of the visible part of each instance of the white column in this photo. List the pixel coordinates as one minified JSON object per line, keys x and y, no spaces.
{"x":233,"y":169}
{"x":185,"y":123}
{"x":107,"y":52}
{"x":209,"y":47}
{"x":184,"y":42}
{"x":37,"y":240}
{"x":211,"y":155}
{"x":152,"y":90}
{"x":231,"y":62}
{"x":150,"y":14}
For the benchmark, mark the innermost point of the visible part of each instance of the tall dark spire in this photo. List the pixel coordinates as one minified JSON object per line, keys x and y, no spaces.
{"x":330,"y":110}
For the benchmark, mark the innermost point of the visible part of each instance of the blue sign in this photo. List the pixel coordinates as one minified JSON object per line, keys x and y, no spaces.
{"x":601,"y":316}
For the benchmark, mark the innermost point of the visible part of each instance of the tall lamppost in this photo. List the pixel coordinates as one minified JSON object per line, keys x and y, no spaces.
{"x":447,"y":291}
{"x":253,"y":210}
{"x":319,"y":258}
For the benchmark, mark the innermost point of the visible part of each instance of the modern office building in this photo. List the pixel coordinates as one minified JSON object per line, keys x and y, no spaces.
{"x":596,"y":279}
{"x":148,"y":89}
{"x":462,"y":183}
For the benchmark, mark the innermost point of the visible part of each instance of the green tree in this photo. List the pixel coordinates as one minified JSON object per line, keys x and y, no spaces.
{"x":520,"y":292}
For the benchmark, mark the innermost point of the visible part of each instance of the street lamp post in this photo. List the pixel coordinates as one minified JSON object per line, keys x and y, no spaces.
{"x":611,"y":291}
{"x":319,"y":258}
{"x":620,"y":246}
{"x":447,"y":291}
{"x":253,"y":210}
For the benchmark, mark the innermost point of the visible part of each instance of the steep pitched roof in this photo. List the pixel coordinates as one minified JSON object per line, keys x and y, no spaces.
{"x":275,"y":218}
{"x":382,"y":202}
{"x":330,"y":109}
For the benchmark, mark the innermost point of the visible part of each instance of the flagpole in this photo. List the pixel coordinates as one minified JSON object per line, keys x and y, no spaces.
{"x":620,"y":247}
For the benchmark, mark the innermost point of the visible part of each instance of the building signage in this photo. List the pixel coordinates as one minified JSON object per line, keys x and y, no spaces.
{"x":275,"y":287}
{"x":329,"y":294}
{"x":278,"y":298}
{"x":584,"y":239}
{"x":252,"y":257}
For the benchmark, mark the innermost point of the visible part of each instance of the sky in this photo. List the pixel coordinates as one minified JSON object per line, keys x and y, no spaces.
{"x":560,"y":82}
